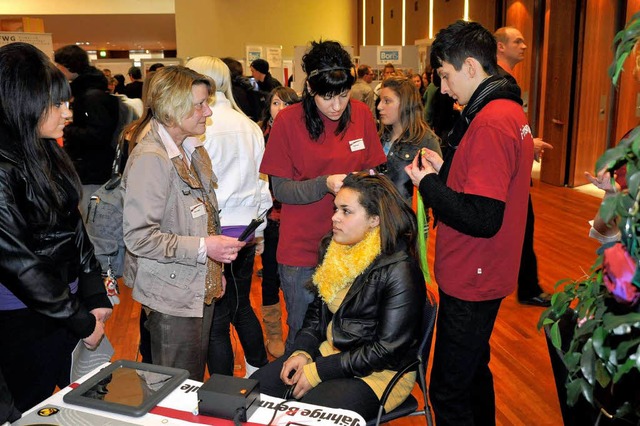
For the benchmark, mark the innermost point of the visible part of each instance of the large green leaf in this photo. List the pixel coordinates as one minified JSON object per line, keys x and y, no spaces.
{"x":617,"y":68}
{"x":611,"y":321}
{"x":611,"y":158}
{"x":608,"y":208}
{"x":602,"y":374}
{"x":574,"y":389}
{"x":555,"y":336}
{"x":624,"y":204}
{"x":624,"y":369}
{"x":587,"y":362}
{"x":577,"y":387}
{"x":571,"y":360}
{"x":633,"y":182}
{"x":623,"y":348}
{"x":623,"y":43}
{"x":599,"y":334}
{"x":625,"y":409}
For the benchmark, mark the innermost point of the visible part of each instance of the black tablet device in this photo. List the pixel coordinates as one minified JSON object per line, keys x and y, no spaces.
{"x":252,"y":226}
{"x":127,"y":387}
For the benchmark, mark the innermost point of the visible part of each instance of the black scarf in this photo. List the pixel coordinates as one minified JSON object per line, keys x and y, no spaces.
{"x":492,"y":88}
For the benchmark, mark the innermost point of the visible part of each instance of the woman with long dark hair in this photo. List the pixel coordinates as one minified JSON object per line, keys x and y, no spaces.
{"x":312,"y":146}
{"x":368,"y":291}
{"x":51,"y":292}
{"x":279,"y":98}
{"x":403,"y":131}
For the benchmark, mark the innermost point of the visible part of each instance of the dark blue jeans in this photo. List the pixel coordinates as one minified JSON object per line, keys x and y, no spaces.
{"x":461,"y":387}
{"x":297,"y":298}
{"x":235,"y":308}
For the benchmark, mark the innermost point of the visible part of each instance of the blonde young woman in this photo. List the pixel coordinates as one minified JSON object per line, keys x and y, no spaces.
{"x":235,"y":145}
{"x":403,"y":131}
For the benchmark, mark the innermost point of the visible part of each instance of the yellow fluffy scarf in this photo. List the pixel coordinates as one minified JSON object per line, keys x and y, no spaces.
{"x":343,"y":263}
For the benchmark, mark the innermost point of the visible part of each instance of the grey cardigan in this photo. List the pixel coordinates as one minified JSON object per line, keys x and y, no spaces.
{"x":161,"y":235}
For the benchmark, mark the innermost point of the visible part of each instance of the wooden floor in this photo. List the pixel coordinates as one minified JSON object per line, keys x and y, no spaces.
{"x":524,"y":386}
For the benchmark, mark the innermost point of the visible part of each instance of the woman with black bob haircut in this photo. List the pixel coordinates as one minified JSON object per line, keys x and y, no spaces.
{"x":51,"y":292}
{"x":330,"y":73}
{"x":312,"y":146}
{"x":361,"y":327}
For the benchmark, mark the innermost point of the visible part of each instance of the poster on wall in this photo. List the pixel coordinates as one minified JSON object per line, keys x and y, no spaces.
{"x":274,"y":57}
{"x":389,"y":55}
{"x":253,"y":53}
{"x":40,"y":40}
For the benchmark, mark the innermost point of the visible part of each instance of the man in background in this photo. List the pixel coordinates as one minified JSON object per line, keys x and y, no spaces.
{"x":245,"y":96}
{"x":134,"y":89}
{"x":511,"y":49}
{"x":388,"y":71}
{"x":260,"y":71}
{"x":362,"y":90}
{"x":87,"y":139}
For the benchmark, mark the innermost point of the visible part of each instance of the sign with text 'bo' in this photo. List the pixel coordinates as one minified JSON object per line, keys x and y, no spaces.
{"x":389,"y":54}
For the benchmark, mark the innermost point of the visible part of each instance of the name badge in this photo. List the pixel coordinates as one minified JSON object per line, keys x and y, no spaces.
{"x":356,"y":145}
{"x":198,"y":210}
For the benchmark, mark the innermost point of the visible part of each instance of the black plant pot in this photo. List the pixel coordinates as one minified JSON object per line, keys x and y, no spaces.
{"x":583,"y":413}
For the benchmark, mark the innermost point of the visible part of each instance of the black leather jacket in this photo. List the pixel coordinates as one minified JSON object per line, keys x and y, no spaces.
{"x":38,"y":262}
{"x":401,"y":155}
{"x":378,"y":324}
{"x":87,"y":139}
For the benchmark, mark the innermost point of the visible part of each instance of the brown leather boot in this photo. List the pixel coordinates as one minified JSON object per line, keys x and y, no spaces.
{"x":272,"y":318}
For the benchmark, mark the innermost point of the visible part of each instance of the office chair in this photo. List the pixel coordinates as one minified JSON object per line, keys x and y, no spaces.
{"x":410,"y":406}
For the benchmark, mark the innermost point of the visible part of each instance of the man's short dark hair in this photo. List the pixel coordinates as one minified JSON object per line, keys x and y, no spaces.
{"x":363,"y":70}
{"x":235,"y":67}
{"x":156,"y":66}
{"x":135,"y":73}
{"x":462,"y":40}
{"x":72,"y":57}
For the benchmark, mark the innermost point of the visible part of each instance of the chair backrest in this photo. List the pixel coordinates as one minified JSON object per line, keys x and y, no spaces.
{"x":422,"y":358}
{"x":428,"y":324}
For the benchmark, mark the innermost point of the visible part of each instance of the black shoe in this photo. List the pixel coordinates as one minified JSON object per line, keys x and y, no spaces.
{"x":542,"y":300}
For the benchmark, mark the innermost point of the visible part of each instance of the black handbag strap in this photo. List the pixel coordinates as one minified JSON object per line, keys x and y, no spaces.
{"x":115,"y":168}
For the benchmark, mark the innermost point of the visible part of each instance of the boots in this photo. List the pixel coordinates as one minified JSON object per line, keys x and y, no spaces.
{"x":272,"y":318}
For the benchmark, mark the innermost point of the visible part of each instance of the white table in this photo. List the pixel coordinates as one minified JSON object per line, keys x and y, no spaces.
{"x":180,"y":408}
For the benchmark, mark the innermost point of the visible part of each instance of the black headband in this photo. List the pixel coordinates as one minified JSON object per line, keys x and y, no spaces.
{"x":316,"y":72}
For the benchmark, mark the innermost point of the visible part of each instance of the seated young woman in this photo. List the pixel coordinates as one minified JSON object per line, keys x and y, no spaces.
{"x":363,"y":323}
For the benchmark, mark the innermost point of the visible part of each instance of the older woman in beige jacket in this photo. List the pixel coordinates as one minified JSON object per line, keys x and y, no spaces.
{"x":171,"y":223}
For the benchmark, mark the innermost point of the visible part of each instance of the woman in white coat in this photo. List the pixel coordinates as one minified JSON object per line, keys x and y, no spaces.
{"x":235,"y":145}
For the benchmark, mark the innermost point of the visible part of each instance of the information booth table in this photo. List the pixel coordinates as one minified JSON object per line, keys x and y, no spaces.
{"x":181,"y":408}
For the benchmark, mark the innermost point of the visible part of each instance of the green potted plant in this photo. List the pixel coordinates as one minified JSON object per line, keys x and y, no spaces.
{"x":595,"y":321}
